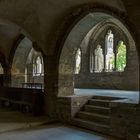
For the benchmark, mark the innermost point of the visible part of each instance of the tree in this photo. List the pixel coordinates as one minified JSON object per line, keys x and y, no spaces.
{"x":121,"y":57}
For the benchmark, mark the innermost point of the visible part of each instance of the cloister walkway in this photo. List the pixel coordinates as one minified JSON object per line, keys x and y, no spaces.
{"x":130,"y":96}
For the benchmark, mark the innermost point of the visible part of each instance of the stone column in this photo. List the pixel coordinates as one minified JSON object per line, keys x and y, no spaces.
{"x":85,"y":68}
{"x":7,"y":77}
{"x":115,"y":53}
{"x":104,"y":54}
{"x":50,"y":85}
{"x":138,"y":50}
{"x":30,"y":73}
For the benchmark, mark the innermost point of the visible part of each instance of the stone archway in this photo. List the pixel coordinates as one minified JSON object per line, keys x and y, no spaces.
{"x":22,"y":66}
{"x":19,"y":62}
{"x":73,"y":41}
{"x":34,"y":69}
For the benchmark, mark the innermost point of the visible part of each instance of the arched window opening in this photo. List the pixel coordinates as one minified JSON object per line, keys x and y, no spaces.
{"x":18,"y":72}
{"x":78,"y":61}
{"x":35,"y":70}
{"x":38,"y":66}
{"x":121,"y":56}
{"x":106,"y":33}
{"x":1,"y":69}
{"x":91,"y":62}
{"x":99,"y":59}
{"x":109,"y":41}
{"x":108,"y":58}
{"x":27,"y":68}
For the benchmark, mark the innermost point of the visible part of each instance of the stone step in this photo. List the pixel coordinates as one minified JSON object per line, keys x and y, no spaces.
{"x":99,"y":102}
{"x":106,"y":98}
{"x":94,"y":117}
{"x":96,"y":109}
{"x":104,"y":129}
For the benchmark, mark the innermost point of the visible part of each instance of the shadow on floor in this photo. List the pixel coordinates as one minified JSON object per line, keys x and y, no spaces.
{"x":12,"y":120}
{"x":54,"y":131}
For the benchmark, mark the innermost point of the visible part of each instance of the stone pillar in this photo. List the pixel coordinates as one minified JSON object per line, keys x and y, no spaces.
{"x":85,"y":68}
{"x":104,"y":54}
{"x":138,"y":50}
{"x":115,"y":54}
{"x":50,"y":85}
{"x":30,"y":73}
{"x":7,"y":77}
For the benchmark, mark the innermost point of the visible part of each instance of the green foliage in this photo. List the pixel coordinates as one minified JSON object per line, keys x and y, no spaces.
{"x":121,"y":57}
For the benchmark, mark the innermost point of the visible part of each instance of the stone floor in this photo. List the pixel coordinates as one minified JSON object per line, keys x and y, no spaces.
{"x":18,"y":126}
{"x":52,"y":132}
{"x":12,"y":120}
{"x":131,"y":96}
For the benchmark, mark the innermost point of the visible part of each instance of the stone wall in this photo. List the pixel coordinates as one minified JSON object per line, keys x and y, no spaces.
{"x":124,"y":117}
{"x":68,"y":106}
{"x":127,"y":79}
{"x":17,"y":80}
{"x":114,"y":80}
{"x":125,"y":121}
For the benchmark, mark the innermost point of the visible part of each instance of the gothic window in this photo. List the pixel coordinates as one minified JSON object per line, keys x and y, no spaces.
{"x":34,"y":69}
{"x":99,"y":59}
{"x":38,"y":66}
{"x":1,"y":69}
{"x":78,"y":61}
{"x":109,"y":51}
{"x":121,"y":56}
{"x":108,"y":58}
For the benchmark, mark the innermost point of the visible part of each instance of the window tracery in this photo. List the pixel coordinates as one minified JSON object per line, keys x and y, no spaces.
{"x":108,"y":58}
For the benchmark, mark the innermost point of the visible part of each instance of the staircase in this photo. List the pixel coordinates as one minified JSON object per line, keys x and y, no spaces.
{"x":95,"y":114}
